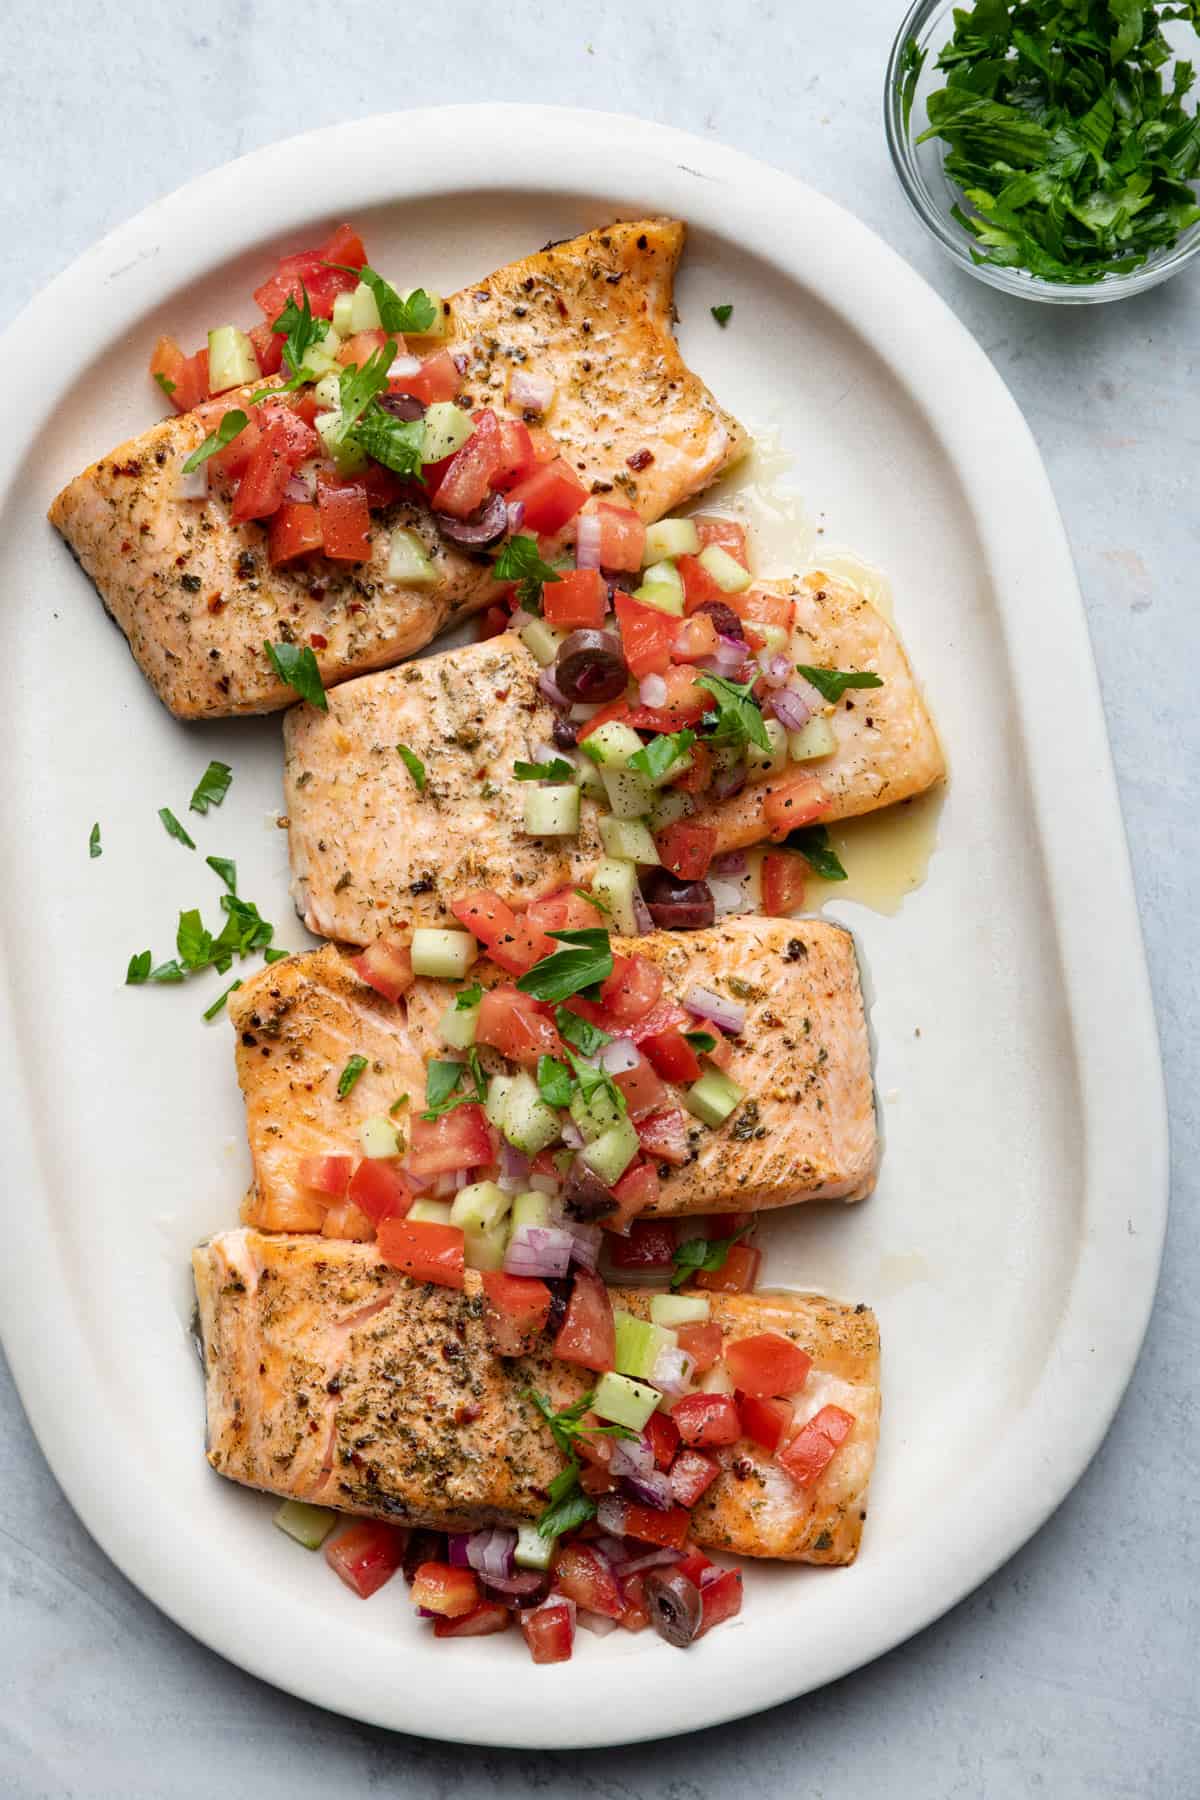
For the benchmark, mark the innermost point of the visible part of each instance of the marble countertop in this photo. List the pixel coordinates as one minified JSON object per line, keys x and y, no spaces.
{"x":1073,"y":1671}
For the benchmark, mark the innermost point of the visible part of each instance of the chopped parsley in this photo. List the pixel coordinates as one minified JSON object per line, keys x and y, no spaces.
{"x":555,"y":1082}
{"x":593,"y":1081}
{"x":397,"y":1105}
{"x":233,"y":422}
{"x":211,"y":788}
{"x":94,"y":849}
{"x":227,"y":870}
{"x":173,"y":828}
{"x":399,"y":444}
{"x":467,"y":998}
{"x":699,"y":1253}
{"x":701,"y":1041}
{"x":831,"y":684}
{"x":164,"y":382}
{"x":569,"y":1505}
{"x":414,"y":765}
{"x":812,"y":841}
{"x":218,"y":1005}
{"x":558,"y":769}
{"x":296,"y":665}
{"x":350,"y":1074}
{"x":722,"y":314}
{"x":600,"y":905}
{"x":656,"y":757}
{"x":196,"y":948}
{"x":442,"y":1080}
{"x":358,"y":387}
{"x":585,"y":963}
{"x":586,"y":1037}
{"x":737,"y":718}
{"x":413,"y":313}
{"x":519,"y":561}
{"x":301,"y":331}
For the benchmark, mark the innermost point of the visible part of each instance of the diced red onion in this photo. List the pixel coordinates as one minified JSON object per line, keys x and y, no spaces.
{"x":614,"y":1550}
{"x":193,"y":485}
{"x":404,"y":366}
{"x":298,"y":488}
{"x":650,"y":1490}
{"x":583,"y":710}
{"x":729,"y":655}
{"x":672,"y":1370}
{"x":539,"y":1250}
{"x":461,"y":360}
{"x":548,"y":687}
{"x":588,"y":532}
{"x":621,"y":1055}
{"x":727,"y":897}
{"x":450,"y":1182}
{"x":728,"y":782}
{"x":514,"y":1170}
{"x":791,"y":708}
{"x":516,"y":514}
{"x":642,"y":916}
{"x":632,"y":1457}
{"x":456,"y":1551}
{"x":530,"y":391}
{"x":730,"y":862}
{"x":585,"y":1243}
{"x":490,"y":1553}
{"x":520,"y":1584}
{"x":652,"y":690}
{"x":520,"y":619}
{"x":728,"y":1015}
{"x":713,"y":1573}
{"x":775,"y":667}
{"x":649,"y":1559}
{"x":572,"y":1137}
{"x":420,"y":1184}
{"x":427,"y":1612}
{"x":610,"y":1515}
{"x":596,"y":1622}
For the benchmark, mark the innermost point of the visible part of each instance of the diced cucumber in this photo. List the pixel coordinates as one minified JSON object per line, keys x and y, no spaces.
{"x":594,"y":1116}
{"x":670,"y":804}
{"x":668,"y":539}
{"x":629,"y":795}
{"x":663,"y":575}
{"x":775,"y":637}
{"x":499,"y":1088}
{"x":447,"y":428}
{"x":446,"y":955}
{"x":713,"y":1097}
{"x":624,"y":1401}
{"x":528,"y":1123}
{"x":485,"y":1249}
{"x":321,"y":358}
{"x":542,"y":641}
{"x":309,"y":1525}
{"x":378,"y":1137}
{"x":327,"y":393}
{"x":761,"y":763}
{"x":629,"y":840}
{"x":679,"y":1309}
{"x":725,"y":570}
{"x":348,"y":457}
{"x":615,"y":882}
{"x":429,"y":1212}
{"x":612,"y":744}
{"x":812,"y":741}
{"x":457,"y":1026}
{"x":716,"y":1380}
{"x":343,"y":309}
{"x":552,"y":811}
{"x":589,"y":778}
{"x":612,"y":1152}
{"x":231,"y":359}
{"x":408,"y":562}
{"x":664,"y":598}
{"x":364,"y":309}
{"x":638,"y":1342}
{"x":441,"y":318}
{"x":530,"y":1209}
{"x":533,"y":1551}
{"x":479,"y":1207}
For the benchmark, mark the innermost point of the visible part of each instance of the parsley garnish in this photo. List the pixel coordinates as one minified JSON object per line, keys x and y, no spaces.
{"x":467,"y":998}
{"x":274,"y":956}
{"x":211,"y":788}
{"x":350,"y":1074}
{"x":586,"y":1037}
{"x":164,"y":381}
{"x":233,"y":422}
{"x":592,"y":1080}
{"x":358,"y":387}
{"x":173,"y":828}
{"x":227,"y":870}
{"x":912,"y":61}
{"x":301,"y":331}
{"x":414,"y":314}
{"x":94,"y":841}
{"x":558,"y":769}
{"x":812,"y":841}
{"x":442,"y":1081}
{"x":656,"y":757}
{"x":400,"y":1101}
{"x":699,"y":1253}
{"x":831,"y":684}
{"x":210,"y":1012}
{"x":569,"y":1505}
{"x":585,"y":963}
{"x":296,"y":665}
{"x":555,"y":1084}
{"x":139,"y":968}
{"x":519,"y":561}
{"x":722,"y":314}
{"x":737,"y":719}
{"x":413,"y":764}
{"x":600,"y":905}
{"x":701,"y":1041}
{"x":196,"y":948}
{"x":399,"y":444}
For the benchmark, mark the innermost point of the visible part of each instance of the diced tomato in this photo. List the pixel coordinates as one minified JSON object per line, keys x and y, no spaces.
{"x":387,"y":967}
{"x":268,"y":347}
{"x":726,"y":533}
{"x":345,"y":1220}
{"x":632,"y":989}
{"x":231,"y":462}
{"x":301,"y":440}
{"x":698,"y":584}
{"x":516,"y":1308}
{"x":636,"y":1615}
{"x":481,"y":1622}
{"x":516,"y":459}
{"x":666,"y":1016}
{"x":664,"y":1137}
{"x":563,"y":911}
{"x":379,"y":1189}
{"x":672,"y":1056}
{"x":367,"y":1555}
{"x":727,"y":1225}
{"x":636,"y":1190}
{"x":707,"y":1419}
{"x":737,"y":1275}
{"x":686,"y":849}
{"x":359,"y":349}
{"x":426,"y":1251}
{"x":441,"y":1588}
{"x":308,"y":267}
{"x":701,"y":1341}
{"x":695,"y":639}
{"x":188,"y":375}
{"x":815,"y":1445}
{"x":784,"y":878}
{"x":650,"y":1245}
{"x":650,"y":1526}
{"x":767,"y":1364}
{"x":622,"y":535}
{"x":644,"y":1092}
{"x":765,"y":1422}
{"x":720,"y":1600}
{"x":458,"y":1140}
{"x":576,"y":601}
{"x":663,"y":1436}
{"x":755,"y":607}
{"x":794,"y":800}
{"x":584,"y":1577}
{"x":616,"y":709}
{"x":721,"y":1054}
{"x":694,"y":1563}
{"x":345,"y":520}
{"x":383,"y":488}
{"x":692,"y":1473}
{"x":492,"y":622}
{"x":436,"y":379}
{"x":295,"y":531}
{"x":345,"y":246}
{"x":549,"y":1630}
{"x":267,"y":474}
{"x":467,"y":482}
{"x":647,"y":636}
{"x":514,"y":945}
{"x":685,"y":704}
{"x":551,"y":495}
{"x":587,"y":1335}
{"x":514,"y":1024}
{"x":326,"y":1174}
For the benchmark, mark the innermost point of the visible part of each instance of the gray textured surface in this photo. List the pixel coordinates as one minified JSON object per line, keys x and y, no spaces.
{"x":1072,"y":1672}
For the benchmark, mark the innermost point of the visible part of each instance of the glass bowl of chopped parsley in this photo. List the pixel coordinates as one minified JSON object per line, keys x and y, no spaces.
{"x":1052,"y":147}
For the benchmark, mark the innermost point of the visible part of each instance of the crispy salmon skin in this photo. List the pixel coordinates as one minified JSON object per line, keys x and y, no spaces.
{"x":193,"y":591}
{"x":332,"y":1378}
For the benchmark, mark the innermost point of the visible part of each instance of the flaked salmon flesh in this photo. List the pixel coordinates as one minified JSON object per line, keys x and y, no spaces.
{"x":332,"y":1378}
{"x":193,"y":590}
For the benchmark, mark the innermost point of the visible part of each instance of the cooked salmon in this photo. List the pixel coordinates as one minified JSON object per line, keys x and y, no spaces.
{"x":332,"y":1378}
{"x":193,"y":590}
{"x":806,"y":1129}
{"x":369,"y":851}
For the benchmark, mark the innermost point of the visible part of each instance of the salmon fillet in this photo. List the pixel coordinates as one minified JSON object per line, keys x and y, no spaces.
{"x":806,"y":1130}
{"x":193,"y":591}
{"x":332,"y":1378}
{"x":369,"y":853}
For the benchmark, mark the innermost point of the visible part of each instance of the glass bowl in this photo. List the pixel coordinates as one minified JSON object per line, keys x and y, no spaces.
{"x":930,"y":23}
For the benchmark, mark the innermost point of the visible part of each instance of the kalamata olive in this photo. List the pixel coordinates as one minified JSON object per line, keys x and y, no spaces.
{"x":565,"y":733}
{"x":675,"y":1607}
{"x":585,"y":1196}
{"x":422,"y":1546}
{"x":590,"y":667}
{"x":724,"y":618}
{"x":525,"y":1587}
{"x":560,"y":1296}
{"x":403,"y":406}
{"x":677,"y":905}
{"x":485,"y":526}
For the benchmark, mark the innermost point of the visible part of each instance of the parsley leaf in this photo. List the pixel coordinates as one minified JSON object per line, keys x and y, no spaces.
{"x":233,"y":422}
{"x":211,"y":788}
{"x":701,"y":1041}
{"x":414,"y":313}
{"x":722,"y":314}
{"x":94,"y":849}
{"x":296,"y":665}
{"x":586,"y":1037}
{"x":218,"y":1005}
{"x":467,"y":998}
{"x":656,"y":757}
{"x":737,"y":719}
{"x":593,"y":1080}
{"x":350,"y":1074}
{"x":139,"y":968}
{"x":173,"y":828}
{"x":585,"y":963}
{"x":442,"y":1081}
{"x":555,"y":1084}
{"x":358,"y":387}
{"x":812,"y":841}
{"x":164,"y":381}
{"x":301,"y":331}
{"x":699,"y":1253}
{"x":912,"y":61}
{"x":399,"y":444}
{"x":558,"y":769}
{"x":414,"y":765}
{"x":831,"y":684}
{"x":569,"y":1506}
{"x":397,"y":1103}
{"x":600,"y":905}
{"x":567,"y":1424}
{"x":519,"y":561}
{"x":227,"y":870}
{"x":274,"y":956}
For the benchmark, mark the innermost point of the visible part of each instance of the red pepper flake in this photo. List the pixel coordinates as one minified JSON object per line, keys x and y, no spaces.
{"x":216,"y":604}
{"x":641,"y":459}
{"x":355,"y":606}
{"x":317,"y":641}
{"x":561,"y":305}
{"x":133,"y":467}
{"x":466,"y":1415}
{"x":126,"y":546}
{"x":502,"y":693}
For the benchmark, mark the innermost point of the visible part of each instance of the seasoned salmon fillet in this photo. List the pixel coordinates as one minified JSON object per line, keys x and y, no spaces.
{"x":370,"y":853}
{"x":193,"y":590}
{"x":332,"y":1378}
{"x":805,"y":1131}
